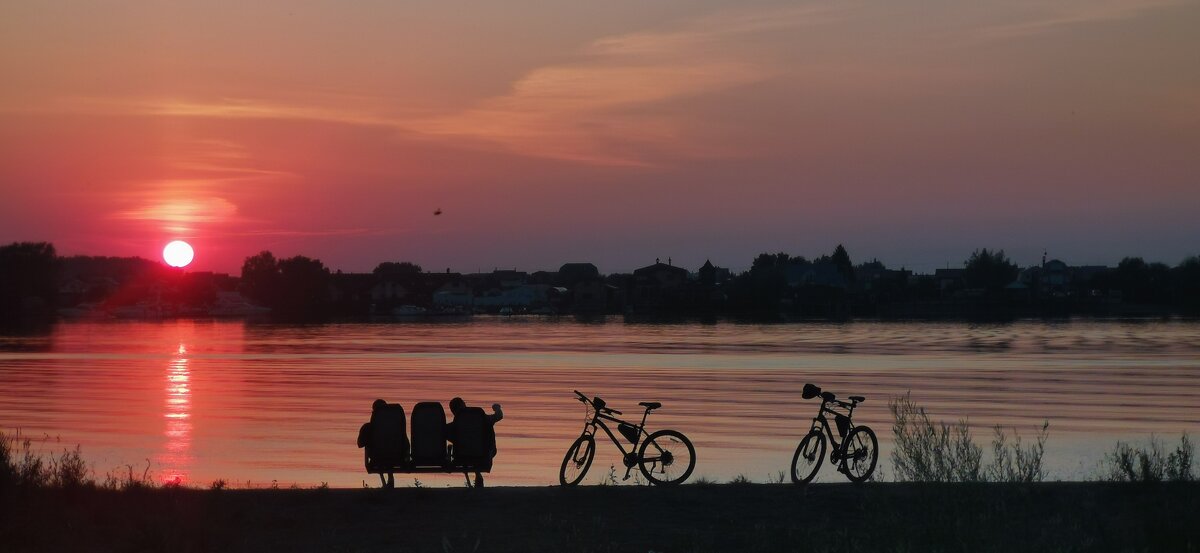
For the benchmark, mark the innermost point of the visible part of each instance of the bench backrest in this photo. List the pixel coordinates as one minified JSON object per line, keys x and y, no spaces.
{"x":474,"y":438}
{"x":428,"y":434}
{"x":389,"y":437}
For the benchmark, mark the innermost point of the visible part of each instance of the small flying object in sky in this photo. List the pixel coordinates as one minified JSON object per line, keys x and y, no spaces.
{"x":437,"y":211}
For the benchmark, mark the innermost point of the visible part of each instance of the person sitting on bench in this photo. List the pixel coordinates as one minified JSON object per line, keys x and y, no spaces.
{"x":457,"y":407}
{"x":383,"y":451}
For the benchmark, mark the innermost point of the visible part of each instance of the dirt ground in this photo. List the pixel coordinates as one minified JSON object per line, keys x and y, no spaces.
{"x":701,"y":518}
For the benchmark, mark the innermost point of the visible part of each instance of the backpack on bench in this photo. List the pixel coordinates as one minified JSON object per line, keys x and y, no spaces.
{"x":474,"y":439}
{"x":387,"y":444}
{"x":428,"y":434}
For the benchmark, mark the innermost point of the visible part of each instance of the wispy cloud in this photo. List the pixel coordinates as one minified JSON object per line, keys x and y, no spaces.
{"x":613,"y":101}
{"x":316,"y":109}
{"x":1049,"y":16}
{"x":207,"y":176}
{"x":590,"y":109}
{"x":584,"y":110}
{"x":182,"y":214}
{"x":306,"y":233}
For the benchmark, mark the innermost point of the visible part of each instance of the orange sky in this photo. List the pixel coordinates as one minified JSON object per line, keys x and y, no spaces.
{"x":611,"y":132}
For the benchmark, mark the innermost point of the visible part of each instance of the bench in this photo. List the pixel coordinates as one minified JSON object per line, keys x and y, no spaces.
{"x":389,"y":449}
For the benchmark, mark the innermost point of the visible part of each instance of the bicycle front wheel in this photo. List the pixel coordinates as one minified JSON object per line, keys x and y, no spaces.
{"x":860,"y":453}
{"x":577,"y":461}
{"x":808,"y":458}
{"x":667,"y":457}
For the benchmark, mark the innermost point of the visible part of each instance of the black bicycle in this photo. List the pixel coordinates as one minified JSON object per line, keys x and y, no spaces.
{"x":665,"y":457}
{"x":855,"y":455}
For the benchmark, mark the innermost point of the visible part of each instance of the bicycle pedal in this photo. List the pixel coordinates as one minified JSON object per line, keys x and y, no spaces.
{"x":627,"y":476}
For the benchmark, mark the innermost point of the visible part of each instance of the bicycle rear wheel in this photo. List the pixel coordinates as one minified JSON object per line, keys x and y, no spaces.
{"x":577,"y":461}
{"x":667,"y":457}
{"x":808,"y":458}
{"x":860,"y":453}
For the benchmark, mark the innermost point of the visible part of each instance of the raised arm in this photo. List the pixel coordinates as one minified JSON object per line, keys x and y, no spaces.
{"x":498,"y":415}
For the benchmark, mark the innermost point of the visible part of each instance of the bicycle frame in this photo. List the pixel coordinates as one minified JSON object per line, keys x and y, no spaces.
{"x":823,"y":422}
{"x":597,"y":420}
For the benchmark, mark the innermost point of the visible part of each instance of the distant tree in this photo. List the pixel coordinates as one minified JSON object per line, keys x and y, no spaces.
{"x":29,"y":273}
{"x":841,"y":260}
{"x":303,"y":289}
{"x":762,"y":287}
{"x":1141,"y":282}
{"x":1186,"y":283}
{"x":119,"y":269}
{"x":767,"y":262}
{"x":260,"y":278}
{"x":990,"y":270}
{"x":1132,"y":267}
{"x":391,"y":268}
{"x":1159,"y":290}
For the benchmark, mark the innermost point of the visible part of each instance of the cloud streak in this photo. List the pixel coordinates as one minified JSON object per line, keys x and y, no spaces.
{"x":1050,"y":16}
{"x":183,"y":214}
{"x":590,"y":109}
{"x":601,"y":107}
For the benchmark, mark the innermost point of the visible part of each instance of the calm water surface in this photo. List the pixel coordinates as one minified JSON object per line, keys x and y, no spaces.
{"x":201,"y":400}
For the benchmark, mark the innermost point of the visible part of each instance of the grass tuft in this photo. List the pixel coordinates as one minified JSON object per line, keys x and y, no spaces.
{"x":1152,"y":463}
{"x":931,"y":452}
{"x":928,"y":451}
{"x":1013,"y":463}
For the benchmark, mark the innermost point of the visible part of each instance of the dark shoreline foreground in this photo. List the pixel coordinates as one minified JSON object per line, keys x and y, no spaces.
{"x":703,"y":518}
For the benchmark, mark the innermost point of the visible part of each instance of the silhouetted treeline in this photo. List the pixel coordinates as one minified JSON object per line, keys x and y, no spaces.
{"x":29,"y":274}
{"x":296,"y":287}
{"x":36,"y":284}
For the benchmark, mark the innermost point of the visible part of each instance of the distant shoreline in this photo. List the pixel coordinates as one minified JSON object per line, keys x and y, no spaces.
{"x":634,"y":319}
{"x":704,"y":517}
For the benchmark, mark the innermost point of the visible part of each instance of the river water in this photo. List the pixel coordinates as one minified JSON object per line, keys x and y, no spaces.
{"x":252,"y":403}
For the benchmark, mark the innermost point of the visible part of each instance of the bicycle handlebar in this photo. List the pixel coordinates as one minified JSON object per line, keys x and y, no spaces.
{"x":584,"y":399}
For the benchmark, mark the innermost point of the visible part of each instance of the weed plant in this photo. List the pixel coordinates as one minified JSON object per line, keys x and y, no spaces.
{"x":928,"y":451}
{"x":1151,"y":463}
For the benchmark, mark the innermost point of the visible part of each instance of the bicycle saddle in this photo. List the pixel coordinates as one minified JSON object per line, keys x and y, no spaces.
{"x":857,"y":398}
{"x":650,"y":404}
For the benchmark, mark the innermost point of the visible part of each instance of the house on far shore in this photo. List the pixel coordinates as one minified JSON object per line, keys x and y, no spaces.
{"x":523,"y":297}
{"x":950,"y":280}
{"x":571,"y":273}
{"x":658,"y":286}
{"x":712,"y":275}
{"x":592,"y":296}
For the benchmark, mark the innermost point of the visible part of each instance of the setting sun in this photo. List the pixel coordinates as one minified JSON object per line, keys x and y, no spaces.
{"x":178,"y":253}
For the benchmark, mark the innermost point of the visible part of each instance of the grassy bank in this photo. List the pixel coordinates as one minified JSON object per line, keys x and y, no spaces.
{"x":730,"y":517}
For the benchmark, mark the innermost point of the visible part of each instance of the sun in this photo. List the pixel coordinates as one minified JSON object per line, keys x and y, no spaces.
{"x":178,"y":253}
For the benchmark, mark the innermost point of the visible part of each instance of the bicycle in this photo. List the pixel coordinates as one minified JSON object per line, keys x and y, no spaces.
{"x":857,"y":453}
{"x":660,"y":455}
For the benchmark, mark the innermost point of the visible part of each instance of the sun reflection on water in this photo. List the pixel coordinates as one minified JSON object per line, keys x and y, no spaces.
{"x":176,"y":458}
